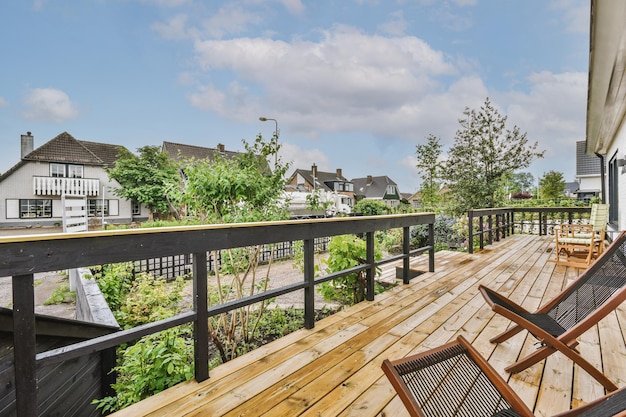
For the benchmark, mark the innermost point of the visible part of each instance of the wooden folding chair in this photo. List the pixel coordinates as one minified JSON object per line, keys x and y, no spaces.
{"x":579,"y":244}
{"x":599,"y":290}
{"x":454,"y":380}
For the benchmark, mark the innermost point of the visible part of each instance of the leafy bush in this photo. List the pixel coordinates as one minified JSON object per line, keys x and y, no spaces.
{"x":156,"y":362}
{"x":114,"y":281}
{"x":371,"y":208}
{"x":346,"y":252}
{"x":149,"y":300}
{"x":449,"y":232}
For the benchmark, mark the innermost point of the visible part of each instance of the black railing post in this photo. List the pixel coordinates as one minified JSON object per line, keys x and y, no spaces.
{"x":490,"y":226}
{"x":201,"y":323}
{"x":309,"y":278}
{"x":370,"y":272}
{"x":470,"y":231}
{"x":25,"y":345}
{"x":482,"y":233}
{"x":431,"y":251}
{"x":406,"y":247}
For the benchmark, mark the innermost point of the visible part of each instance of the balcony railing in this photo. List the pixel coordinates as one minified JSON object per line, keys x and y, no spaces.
{"x":489,"y":225}
{"x":22,"y":257}
{"x":69,"y":186}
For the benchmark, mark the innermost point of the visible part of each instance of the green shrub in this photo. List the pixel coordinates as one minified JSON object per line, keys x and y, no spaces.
{"x":345,"y":252}
{"x":156,"y":362}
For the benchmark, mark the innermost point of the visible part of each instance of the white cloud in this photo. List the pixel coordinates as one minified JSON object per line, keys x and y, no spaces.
{"x":48,"y":105}
{"x":3,"y":103}
{"x":229,"y":20}
{"x":348,"y":79}
{"x":304,"y":158}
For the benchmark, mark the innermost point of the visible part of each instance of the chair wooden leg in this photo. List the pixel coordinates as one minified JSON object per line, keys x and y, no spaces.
{"x":515,"y":329}
{"x":530,"y":360}
{"x":536,"y":357}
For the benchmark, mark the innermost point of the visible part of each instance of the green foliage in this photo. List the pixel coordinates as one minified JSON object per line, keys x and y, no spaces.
{"x":449,"y":232}
{"x":153,"y":364}
{"x":61,"y":295}
{"x":371,"y":207}
{"x":345,"y":252}
{"x":145,"y":178}
{"x":149,"y":300}
{"x":552,"y":186}
{"x":485,"y":153}
{"x":238,"y":189}
{"x":521,"y":182}
{"x":157,"y":361}
{"x":115,"y":282}
{"x":430,"y":168}
{"x":390,"y":240}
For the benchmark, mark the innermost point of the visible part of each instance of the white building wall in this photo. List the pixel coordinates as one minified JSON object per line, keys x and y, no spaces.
{"x":19,"y":185}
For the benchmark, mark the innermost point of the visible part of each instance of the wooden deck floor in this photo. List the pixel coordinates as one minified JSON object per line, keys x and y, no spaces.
{"x":334,"y":369}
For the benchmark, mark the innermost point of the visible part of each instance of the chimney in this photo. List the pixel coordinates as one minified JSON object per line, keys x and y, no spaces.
{"x":28,"y":143}
{"x":339,"y":173}
{"x":220,"y":148}
{"x":369,"y":180}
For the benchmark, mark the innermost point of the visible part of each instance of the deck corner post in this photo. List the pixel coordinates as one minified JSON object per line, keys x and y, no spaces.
{"x":406,"y":261}
{"x":431,"y":251}
{"x":201,"y":323}
{"x":25,"y":345}
{"x":309,"y":278}
{"x":371,"y":270}
{"x":470,"y":231}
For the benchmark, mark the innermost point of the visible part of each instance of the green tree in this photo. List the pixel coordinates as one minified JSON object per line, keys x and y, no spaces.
{"x":484,"y":153}
{"x":238,"y":189}
{"x":552,"y":186}
{"x":429,"y":167}
{"x":521,"y":182}
{"x":145,"y":178}
{"x":235,"y":190}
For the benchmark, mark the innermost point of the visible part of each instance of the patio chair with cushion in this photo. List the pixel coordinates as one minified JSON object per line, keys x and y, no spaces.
{"x":455,"y":380}
{"x":598,"y":291}
{"x":579,"y":244}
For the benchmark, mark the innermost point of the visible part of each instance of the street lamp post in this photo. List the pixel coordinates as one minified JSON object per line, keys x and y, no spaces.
{"x":265,"y":119}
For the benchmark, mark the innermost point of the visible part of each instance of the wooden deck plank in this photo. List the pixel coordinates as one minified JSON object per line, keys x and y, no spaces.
{"x":334,"y":369}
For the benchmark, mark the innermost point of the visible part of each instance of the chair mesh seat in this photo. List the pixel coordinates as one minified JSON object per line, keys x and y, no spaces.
{"x":450,"y":383}
{"x":612,"y":405}
{"x":588,"y":294}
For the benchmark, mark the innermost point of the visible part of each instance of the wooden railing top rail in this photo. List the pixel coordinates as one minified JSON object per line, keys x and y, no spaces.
{"x":29,"y":254}
{"x":23,"y":256}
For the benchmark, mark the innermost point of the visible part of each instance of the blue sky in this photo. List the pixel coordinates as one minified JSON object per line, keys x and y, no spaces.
{"x":353,"y":84}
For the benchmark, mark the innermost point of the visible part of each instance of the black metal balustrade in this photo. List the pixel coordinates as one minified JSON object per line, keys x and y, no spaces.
{"x":22,"y":257}
{"x":493,"y":224}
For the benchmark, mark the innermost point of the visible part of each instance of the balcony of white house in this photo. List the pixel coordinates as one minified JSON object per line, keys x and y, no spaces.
{"x":68,"y":186}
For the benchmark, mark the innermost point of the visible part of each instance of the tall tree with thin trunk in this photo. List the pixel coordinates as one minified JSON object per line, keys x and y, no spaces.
{"x":485,"y":152}
{"x":429,"y":166}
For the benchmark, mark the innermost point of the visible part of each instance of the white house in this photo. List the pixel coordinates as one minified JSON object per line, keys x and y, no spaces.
{"x":31,"y":191}
{"x":606,"y":102}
